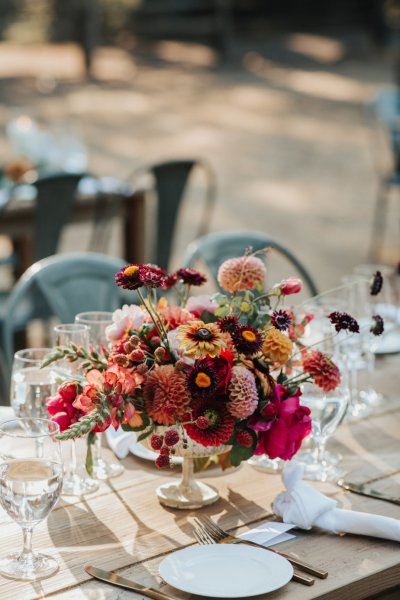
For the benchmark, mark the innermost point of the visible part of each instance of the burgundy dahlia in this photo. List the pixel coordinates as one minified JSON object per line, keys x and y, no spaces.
{"x":220,"y":422}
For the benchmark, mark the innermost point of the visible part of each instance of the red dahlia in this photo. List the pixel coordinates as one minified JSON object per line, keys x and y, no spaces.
{"x":324,"y":372}
{"x":220,"y":422}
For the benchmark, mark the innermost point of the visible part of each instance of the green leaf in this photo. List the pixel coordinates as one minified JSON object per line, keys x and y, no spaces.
{"x":281,"y":377}
{"x":240,"y":453}
{"x":222,"y":311}
{"x":91,"y":438}
{"x":145,"y":434}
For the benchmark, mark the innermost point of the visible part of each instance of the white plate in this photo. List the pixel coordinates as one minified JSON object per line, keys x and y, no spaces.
{"x":389,"y":343}
{"x":225,"y":570}
{"x":137,"y":449}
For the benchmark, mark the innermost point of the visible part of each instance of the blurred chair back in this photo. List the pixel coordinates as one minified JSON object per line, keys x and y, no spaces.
{"x":68,"y":284}
{"x":170,"y":181}
{"x":54,"y":202}
{"x":215,"y":248}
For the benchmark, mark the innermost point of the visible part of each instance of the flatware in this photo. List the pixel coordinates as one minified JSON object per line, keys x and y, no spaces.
{"x":115,"y":579}
{"x":202,"y":537}
{"x":364,"y":490}
{"x":225,"y":537}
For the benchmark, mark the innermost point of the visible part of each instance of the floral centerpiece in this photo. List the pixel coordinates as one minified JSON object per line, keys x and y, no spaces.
{"x":211,"y":374}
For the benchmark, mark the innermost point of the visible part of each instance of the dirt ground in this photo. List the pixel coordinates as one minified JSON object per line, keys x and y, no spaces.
{"x":285,"y":125}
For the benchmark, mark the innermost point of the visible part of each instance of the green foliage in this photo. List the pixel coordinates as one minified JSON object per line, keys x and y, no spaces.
{"x":91,"y":438}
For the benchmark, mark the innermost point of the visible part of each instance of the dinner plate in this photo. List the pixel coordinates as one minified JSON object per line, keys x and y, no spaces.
{"x":389,"y":343}
{"x":137,"y":449}
{"x":225,"y":570}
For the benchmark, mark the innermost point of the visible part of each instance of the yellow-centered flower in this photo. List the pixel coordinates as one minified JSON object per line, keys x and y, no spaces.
{"x":198,"y":339}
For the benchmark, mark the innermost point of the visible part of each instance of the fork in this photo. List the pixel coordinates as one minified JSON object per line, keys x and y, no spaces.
{"x":223,"y":537}
{"x":203,"y":538}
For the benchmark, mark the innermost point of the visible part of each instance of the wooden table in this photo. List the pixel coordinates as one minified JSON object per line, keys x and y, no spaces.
{"x":122,"y":526}
{"x":17,"y":222}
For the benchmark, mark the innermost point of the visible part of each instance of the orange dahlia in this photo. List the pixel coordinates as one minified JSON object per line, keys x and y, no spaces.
{"x":243,"y":273}
{"x":277,"y":346}
{"x":166,"y":397}
{"x":197,"y":339}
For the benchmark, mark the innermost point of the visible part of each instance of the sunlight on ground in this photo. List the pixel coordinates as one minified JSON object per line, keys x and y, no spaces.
{"x":322,"y":49}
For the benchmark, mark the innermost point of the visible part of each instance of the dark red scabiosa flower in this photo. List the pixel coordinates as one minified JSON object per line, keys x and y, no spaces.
{"x":128,"y":277}
{"x":247,"y":339}
{"x":343,"y":322}
{"x":169,"y":282}
{"x":202,"y":379}
{"x":376,"y":284}
{"x":191,"y":277}
{"x":220,"y":422}
{"x":281,"y":319}
{"x":228,"y":324}
{"x":378,"y":325}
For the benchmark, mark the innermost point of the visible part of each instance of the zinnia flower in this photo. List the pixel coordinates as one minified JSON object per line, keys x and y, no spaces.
{"x":198,"y":339}
{"x":217,"y":429}
{"x":243,"y":397}
{"x":190,"y":277}
{"x":242,"y":273}
{"x":282,"y":425}
{"x":281,"y":319}
{"x":247,"y":339}
{"x":166,"y":397}
{"x":322,"y":369}
{"x":277,"y":346}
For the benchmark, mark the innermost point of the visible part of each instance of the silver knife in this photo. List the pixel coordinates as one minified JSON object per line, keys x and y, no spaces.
{"x":364,"y":490}
{"x":115,"y":579}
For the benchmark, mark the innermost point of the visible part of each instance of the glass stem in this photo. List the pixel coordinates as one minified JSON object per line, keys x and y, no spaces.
{"x":27,"y":553}
{"x":97,"y":449}
{"x":320,"y":450}
{"x":354,"y":387}
{"x":72,"y":463}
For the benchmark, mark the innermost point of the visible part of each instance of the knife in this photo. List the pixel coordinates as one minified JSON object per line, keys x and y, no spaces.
{"x":115,"y":579}
{"x":364,"y":490}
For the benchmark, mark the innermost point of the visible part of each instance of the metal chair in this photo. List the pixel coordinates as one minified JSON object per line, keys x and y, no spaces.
{"x":215,"y":248}
{"x":170,"y":180}
{"x":67,"y":284}
{"x":386,"y":110}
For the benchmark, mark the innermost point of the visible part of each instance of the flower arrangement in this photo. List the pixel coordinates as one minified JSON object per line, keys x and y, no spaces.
{"x":219,"y":370}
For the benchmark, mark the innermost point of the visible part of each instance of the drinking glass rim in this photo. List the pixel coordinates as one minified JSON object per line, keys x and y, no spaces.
{"x":26,"y":434}
{"x":67,"y":327}
{"x":19,"y":354}
{"x":83,"y":319}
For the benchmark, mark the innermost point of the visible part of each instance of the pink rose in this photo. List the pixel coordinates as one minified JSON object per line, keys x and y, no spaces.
{"x":282,"y":425}
{"x":291,"y":285}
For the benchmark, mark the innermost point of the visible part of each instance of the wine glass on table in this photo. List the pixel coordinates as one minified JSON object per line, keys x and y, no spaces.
{"x":97,"y":323}
{"x":327,"y":412}
{"x":30,"y":484}
{"x":75,"y":483}
{"x":31,"y":384}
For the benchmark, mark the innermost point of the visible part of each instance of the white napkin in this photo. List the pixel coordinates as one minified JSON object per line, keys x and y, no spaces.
{"x":304,"y":507}
{"x":269,"y":533}
{"x":120,"y":441}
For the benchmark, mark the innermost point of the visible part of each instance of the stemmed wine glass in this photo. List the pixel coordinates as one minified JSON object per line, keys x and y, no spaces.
{"x":97,"y":322}
{"x":30,"y":384}
{"x":30,"y":484}
{"x":327,"y":412}
{"x":65,"y":334}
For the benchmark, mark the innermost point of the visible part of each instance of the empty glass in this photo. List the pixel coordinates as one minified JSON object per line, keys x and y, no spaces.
{"x":31,"y":385}
{"x":30,"y":484}
{"x":75,"y":483}
{"x":327,"y":411}
{"x":97,"y":322}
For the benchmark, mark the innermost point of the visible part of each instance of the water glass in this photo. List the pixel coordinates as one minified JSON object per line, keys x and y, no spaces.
{"x":97,"y":322}
{"x":327,"y":412}
{"x":30,"y":485}
{"x":30,"y":384}
{"x":75,"y":483}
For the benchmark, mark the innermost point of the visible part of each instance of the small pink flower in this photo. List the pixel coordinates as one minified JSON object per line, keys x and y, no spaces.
{"x":125,"y":319}
{"x":291,"y":285}
{"x":198,"y":304}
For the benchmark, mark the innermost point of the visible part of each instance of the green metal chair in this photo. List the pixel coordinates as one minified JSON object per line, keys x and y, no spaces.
{"x":170,"y":180}
{"x":67,"y":284}
{"x":215,"y":248}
